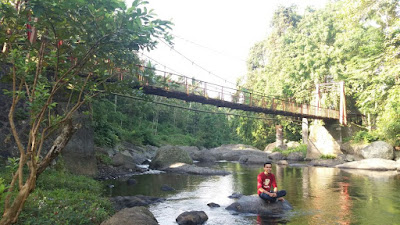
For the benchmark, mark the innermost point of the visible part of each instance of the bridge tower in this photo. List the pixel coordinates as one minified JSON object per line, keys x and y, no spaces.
{"x":320,"y":141}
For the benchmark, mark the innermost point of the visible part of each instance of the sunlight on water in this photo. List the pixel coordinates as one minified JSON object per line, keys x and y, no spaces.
{"x":318,"y":195}
{"x":216,"y":189}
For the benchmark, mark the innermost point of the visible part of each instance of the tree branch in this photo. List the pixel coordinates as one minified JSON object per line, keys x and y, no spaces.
{"x":58,"y":145}
{"x":38,"y":68}
{"x":15,"y":99}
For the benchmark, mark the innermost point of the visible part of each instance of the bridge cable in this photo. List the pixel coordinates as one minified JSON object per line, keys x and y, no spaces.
{"x":248,"y":90}
{"x":208,"y":48}
{"x":226,"y":81}
{"x":193,"y":63}
{"x":160,"y":63}
{"x":191,"y":109}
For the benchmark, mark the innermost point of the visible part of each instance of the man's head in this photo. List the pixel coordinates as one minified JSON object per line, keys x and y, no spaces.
{"x":267,"y":167}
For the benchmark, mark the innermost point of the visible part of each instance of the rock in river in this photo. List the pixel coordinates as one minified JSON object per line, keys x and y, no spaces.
{"x":168,"y":155}
{"x":371,"y":164}
{"x":192,"y":217}
{"x":196,"y":170}
{"x":121,"y":202}
{"x":254,"y":204}
{"x":132,"y":216}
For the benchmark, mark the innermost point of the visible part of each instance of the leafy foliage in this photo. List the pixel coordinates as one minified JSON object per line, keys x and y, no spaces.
{"x":352,"y":41}
{"x":302,"y":148}
{"x":144,"y":123}
{"x":60,"y":55}
{"x":365,"y":136}
{"x":328,"y":156}
{"x":63,"y":198}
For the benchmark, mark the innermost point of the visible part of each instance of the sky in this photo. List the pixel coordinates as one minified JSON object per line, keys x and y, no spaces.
{"x":212,"y":38}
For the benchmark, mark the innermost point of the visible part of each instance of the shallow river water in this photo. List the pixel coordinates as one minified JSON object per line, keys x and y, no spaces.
{"x":318,"y":195}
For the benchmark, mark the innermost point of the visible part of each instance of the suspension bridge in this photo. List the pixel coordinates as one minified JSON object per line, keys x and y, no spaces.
{"x":193,"y":90}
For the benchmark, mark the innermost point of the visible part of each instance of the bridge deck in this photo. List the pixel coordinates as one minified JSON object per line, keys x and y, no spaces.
{"x":276,"y":108}
{"x":190,"y":89}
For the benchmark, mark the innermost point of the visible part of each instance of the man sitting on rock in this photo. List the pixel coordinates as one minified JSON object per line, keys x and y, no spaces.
{"x":265,"y":181}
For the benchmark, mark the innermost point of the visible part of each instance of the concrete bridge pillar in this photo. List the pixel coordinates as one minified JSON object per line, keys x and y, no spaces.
{"x":304,"y":130}
{"x":321,"y":142}
{"x":279,"y":137}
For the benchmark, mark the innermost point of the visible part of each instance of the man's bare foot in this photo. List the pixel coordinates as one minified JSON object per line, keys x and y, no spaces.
{"x":281,"y":199}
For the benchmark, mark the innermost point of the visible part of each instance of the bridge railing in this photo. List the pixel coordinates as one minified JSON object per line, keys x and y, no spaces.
{"x":192,"y":86}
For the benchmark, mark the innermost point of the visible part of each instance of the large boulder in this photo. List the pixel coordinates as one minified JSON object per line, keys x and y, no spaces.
{"x":383,"y":176}
{"x":150,"y":151}
{"x":192,"y":218}
{"x":253,"y":159}
{"x":352,"y":148}
{"x":132,"y":216}
{"x":191,"y":150}
{"x":254,"y":204}
{"x":270,"y":147}
{"x":276,"y":156}
{"x":123,"y":160}
{"x":234,"y":152}
{"x":371,"y":164}
{"x":236,"y":147}
{"x":192,"y":169}
{"x":137,"y":153}
{"x":326,"y":162}
{"x":378,"y":149}
{"x":295,"y":156}
{"x":201,"y":155}
{"x":204,"y":156}
{"x":169,"y":155}
{"x":398,"y":165}
{"x":138,"y":158}
{"x":79,"y":153}
{"x":321,"y":142}
{"x":232,"y":155}
{"x":121,"y":202}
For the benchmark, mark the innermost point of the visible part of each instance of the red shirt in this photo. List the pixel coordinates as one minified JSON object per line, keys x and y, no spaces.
{"x":266,"y":182}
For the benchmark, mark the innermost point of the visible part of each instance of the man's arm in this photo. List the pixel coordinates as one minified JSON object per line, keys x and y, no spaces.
{"x":259,"y":184}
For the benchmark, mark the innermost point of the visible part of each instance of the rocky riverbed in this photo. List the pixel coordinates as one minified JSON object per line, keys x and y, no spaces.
{"x":129,"y":160}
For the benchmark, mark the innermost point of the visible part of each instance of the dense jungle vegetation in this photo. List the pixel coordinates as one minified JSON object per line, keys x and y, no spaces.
{"x":352,"y":41}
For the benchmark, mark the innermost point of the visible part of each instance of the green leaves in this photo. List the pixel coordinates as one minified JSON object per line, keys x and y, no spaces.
{"x":12,"y":164}
{"x":352,"y":41}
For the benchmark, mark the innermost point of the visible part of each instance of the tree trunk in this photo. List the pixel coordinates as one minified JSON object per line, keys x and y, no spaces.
{"x":11,"y":214}
{"x":58,"y":145}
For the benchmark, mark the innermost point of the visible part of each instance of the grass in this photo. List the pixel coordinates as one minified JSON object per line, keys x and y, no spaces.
{"x":63,"y":198}
{"x":328,"y":156}
{"x":103,"y":158}
{"x":302,"y":148}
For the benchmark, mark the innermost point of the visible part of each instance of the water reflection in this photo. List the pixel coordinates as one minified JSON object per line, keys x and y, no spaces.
{"x":318,"y":195}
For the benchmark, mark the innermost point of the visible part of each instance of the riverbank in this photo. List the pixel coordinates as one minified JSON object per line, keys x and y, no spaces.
{"x":63,"y":198}
{"x":129,"y":159}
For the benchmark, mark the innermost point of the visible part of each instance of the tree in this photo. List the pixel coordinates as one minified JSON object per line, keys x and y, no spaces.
{"x":352,"y":41}
{"x":68,"y":48}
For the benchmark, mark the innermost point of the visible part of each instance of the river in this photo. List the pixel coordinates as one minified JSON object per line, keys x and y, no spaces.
{"x":318,"y":195}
